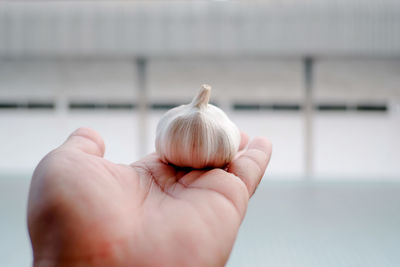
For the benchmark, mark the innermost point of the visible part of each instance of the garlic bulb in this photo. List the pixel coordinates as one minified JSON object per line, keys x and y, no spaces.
{"x":197,"y":135}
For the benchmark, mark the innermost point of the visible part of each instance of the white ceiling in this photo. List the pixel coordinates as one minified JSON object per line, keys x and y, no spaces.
{"x":200,"y":28}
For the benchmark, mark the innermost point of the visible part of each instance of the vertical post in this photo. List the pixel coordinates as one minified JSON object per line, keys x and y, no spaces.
{"x":61,"y":104}
{"x":141,"y":66}
{"x":64,"y":74}
{"x":308,"y":115}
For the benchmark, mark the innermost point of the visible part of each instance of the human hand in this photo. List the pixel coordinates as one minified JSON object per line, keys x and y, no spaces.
{"x":84,"y":210}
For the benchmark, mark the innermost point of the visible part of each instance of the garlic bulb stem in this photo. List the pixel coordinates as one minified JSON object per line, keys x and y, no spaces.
{"x":202,"y":98}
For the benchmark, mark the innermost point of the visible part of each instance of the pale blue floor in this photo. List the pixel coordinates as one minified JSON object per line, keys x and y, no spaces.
{"x":321,"y":224}
{"x":288,"y":224}
{"x":14,"y":243}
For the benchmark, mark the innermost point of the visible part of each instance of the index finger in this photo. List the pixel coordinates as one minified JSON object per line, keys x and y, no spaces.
{"x":250,"y":166}
{"x":86,"y":140}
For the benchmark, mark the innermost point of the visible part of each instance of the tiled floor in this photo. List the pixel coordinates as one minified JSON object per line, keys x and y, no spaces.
{"x":321,"y":224}
{"x":288,"y":224}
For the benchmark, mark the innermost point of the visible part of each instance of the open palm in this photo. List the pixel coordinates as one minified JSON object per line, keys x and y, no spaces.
{"x":87,"y":211}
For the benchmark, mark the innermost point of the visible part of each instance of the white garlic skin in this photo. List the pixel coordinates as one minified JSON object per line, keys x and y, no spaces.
{"x":197,"y":135}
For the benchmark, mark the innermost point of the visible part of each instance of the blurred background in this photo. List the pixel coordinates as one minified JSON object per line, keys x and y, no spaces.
{"x":319,"y":78}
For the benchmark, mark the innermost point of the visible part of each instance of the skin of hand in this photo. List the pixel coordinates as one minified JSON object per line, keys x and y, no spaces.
{"x":84,"y":210}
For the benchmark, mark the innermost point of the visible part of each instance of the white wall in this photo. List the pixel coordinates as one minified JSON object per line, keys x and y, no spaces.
{"x":26,"y":137}
{"x":231,"y":80}
{"x":357,"y":145}
{"x":346,"y":144}
{"x":357,"y":80}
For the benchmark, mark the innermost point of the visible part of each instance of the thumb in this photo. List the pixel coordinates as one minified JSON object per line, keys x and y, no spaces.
{"x":86,"y":140}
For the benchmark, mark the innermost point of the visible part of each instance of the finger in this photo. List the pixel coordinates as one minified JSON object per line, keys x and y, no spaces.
{"x":244,"y":139}
{"x":86,"y":140}
{"x":250,"y":166}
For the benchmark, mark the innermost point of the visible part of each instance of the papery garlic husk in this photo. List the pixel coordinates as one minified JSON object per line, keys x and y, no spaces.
{"x":197,"y":135}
